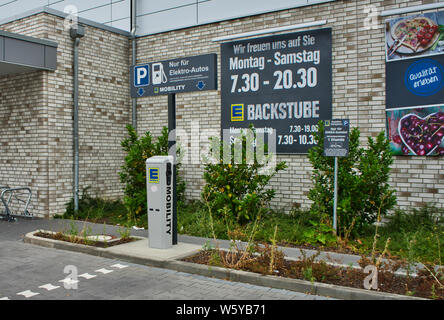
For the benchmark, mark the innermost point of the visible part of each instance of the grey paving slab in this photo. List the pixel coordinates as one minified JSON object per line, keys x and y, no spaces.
{"x":163,"y":283}
{"x":27,"y":267}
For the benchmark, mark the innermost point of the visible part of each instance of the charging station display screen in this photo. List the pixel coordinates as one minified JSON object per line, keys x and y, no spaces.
{"x":281,"y":82}
{"x":197,"y":73}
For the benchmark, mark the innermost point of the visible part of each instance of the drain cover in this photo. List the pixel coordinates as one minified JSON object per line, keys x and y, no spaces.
{"x":99,"y":237}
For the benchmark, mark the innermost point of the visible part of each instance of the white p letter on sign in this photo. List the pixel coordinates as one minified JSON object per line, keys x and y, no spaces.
{"x":141,"y":76}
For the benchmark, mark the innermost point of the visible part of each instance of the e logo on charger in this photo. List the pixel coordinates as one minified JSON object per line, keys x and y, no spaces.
{"x":153,"y":175}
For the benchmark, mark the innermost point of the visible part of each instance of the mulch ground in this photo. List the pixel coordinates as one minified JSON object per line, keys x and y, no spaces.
{"x":424,"y":285}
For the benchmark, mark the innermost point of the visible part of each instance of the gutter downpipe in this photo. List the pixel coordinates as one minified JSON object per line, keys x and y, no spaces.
{"x":76,"y":124}
{"x":133,"y":58}
{"x":76,"y":34}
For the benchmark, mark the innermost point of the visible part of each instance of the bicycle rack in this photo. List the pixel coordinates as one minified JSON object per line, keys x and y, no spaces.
{"x":9,"y":215}
{"x":2,"y":188}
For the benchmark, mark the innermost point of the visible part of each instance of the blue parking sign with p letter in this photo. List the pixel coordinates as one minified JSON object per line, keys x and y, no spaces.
{"x":141,"y":75}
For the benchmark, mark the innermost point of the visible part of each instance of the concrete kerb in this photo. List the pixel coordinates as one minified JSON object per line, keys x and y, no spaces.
{"x":315,"y":288}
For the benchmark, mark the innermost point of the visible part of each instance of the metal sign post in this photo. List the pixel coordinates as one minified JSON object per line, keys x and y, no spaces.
{"x":336,"y":141}
{"x":335,"y":198}
{"x":173,"y":147}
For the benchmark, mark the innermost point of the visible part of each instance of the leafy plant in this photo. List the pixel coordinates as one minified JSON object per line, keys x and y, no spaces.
{"x":215,"y":258}
{"x":124,"y":233}
{"x":207,"y":246}
{"x":273,"y":250}
{"x":92,"y":207}
{"x":320,"y":232}
{"x":86,"y":232}
{"x":308,"y":274}
{"x":133,"y":174}
{"x":237,"y":256}
{"x":426,"y":218}
{"x":239,"y":181}
{"x":363,"y":188}
{"x":73,"y":231}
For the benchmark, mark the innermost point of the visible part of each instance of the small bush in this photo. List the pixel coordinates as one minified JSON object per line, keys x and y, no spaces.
{"x":238,"y":190}
{"x":133,"y":174}
{"x":363,"y":189}
{"x":92,"y":207}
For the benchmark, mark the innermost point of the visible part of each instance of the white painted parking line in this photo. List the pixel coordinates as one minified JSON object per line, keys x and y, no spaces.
{"x":28,"y":293}
{"x":119,"y":266}
{"x":87,"y":276}
{"x":104,"y":271}
{"x":4,"y":298}
{"x":69,"y":281}
{"x":49,"y":287}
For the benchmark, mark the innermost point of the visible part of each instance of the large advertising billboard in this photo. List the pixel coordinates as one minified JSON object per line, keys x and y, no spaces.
{"x":281,"y":82}
{"x":415,"y":84}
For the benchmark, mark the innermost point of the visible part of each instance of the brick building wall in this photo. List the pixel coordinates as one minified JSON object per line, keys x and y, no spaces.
{"x":24,"y":125}
{"x":37,"y":116}
{"x":36,"y":108}
{"x":358,"y":94}
{"x":104,"y":111}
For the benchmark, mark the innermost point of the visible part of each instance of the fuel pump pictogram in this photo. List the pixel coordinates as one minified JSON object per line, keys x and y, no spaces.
{"x":159,"y":75}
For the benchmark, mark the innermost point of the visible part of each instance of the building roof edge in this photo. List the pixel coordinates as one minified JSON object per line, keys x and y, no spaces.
{"x":62,"y":14}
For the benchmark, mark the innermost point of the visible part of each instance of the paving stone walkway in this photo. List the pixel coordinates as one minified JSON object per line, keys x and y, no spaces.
{"x":29,"y":272}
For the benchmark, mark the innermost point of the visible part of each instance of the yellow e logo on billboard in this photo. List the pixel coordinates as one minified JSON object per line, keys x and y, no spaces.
{"x":237,"y":112}
{"x":153,"y":175}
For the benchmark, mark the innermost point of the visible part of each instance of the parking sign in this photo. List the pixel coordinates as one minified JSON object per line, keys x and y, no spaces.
{"x":179,"y":75}
{"x":141,"y":75}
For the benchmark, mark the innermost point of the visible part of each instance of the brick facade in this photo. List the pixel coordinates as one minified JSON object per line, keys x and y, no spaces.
{"x":38,"y":119}
{"x":358,"y":94}
{"x":36,"y":108}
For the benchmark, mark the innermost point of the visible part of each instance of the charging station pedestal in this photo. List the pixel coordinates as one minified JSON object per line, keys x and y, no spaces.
{"x":159,"y":184}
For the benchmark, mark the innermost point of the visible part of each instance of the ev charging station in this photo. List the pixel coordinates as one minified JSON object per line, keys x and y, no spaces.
{"x":160,"y":190}
{"x":188,"y":74}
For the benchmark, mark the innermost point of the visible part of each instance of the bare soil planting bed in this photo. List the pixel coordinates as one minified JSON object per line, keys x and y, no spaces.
{"x":422,"y":285}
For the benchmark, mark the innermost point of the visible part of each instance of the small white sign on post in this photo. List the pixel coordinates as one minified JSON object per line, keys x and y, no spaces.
{"x":336,"y":144}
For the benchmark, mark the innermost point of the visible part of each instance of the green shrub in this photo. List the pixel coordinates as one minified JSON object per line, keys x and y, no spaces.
{"x":238,"y":190}
{"x":363,"y":189}
{"x":319,"y":232}
{"x":92,"y":207}
{"x":133,"y":174}
{"x":426,"y":218}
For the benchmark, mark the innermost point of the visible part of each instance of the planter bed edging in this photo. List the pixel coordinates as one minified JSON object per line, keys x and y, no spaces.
{"x":302,"y":286}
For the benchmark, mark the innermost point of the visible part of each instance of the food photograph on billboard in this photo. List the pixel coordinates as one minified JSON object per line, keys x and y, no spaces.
{"x":415,"y":36}
{"x":416,"y":131}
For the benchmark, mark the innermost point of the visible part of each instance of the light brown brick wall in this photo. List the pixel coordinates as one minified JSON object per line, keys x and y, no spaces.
{"x":104,"y":106}
{"x":24,"y":126}
{"x":358,"y":94}
{"x":36,"y":108}
{"x":41,"y":124}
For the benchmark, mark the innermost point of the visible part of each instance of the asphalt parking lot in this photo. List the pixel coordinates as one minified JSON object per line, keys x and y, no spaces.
{"x":31,"y":272}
